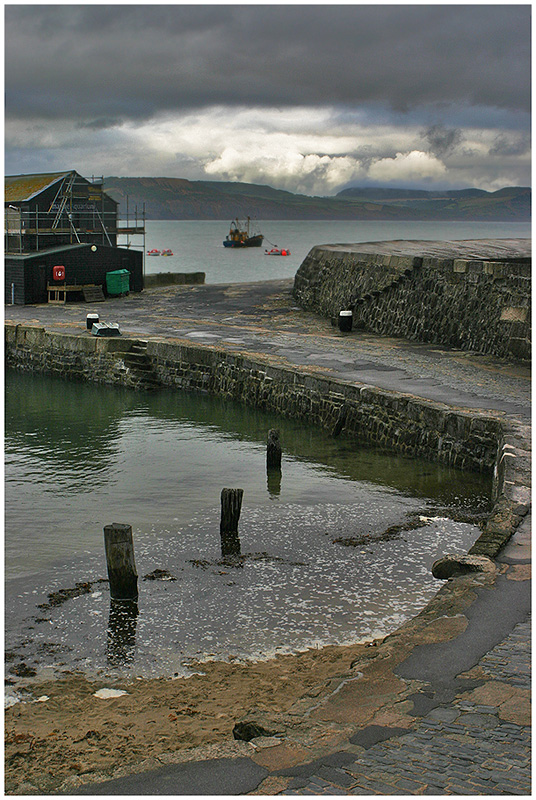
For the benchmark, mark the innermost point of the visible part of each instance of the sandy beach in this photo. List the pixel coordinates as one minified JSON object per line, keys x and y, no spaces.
{"x":74,"y":733}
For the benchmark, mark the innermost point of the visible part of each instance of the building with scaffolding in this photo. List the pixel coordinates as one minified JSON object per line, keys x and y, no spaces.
{"x":63,"y":220}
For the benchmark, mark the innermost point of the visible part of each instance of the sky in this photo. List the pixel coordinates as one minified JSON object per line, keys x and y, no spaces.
{"x":308,"y":98}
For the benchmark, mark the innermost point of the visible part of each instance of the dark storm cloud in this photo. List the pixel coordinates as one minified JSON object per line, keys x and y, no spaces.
{"x":100,"y":124}
{"x":95,"y":62}
{"x":442,"y":141}
{"x":510,"y":145}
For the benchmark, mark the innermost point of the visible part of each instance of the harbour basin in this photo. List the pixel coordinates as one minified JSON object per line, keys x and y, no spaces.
{"x":336,"y":549}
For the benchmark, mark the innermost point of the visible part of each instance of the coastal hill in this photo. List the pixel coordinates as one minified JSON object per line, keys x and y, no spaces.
{"x":178,"y":198}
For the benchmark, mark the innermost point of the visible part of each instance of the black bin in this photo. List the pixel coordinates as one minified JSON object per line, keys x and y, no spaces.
{"x":345,"y":321}
{"x":91,"y":319}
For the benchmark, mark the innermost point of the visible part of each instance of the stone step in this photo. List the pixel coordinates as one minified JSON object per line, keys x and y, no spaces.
{"x":135,"y":358}
{"x":141,"y":367}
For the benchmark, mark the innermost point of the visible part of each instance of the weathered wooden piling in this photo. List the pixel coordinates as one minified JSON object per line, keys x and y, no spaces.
{"x":273,"y":450}
{"x":119,"y":548}
{"x":231,"y":505}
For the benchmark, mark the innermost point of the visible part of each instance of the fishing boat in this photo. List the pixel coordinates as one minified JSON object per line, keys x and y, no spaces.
{"x":166,"y":253}
{"x":240,"y":235}
{"x":277,"y":251}
{"x":153,"y":252}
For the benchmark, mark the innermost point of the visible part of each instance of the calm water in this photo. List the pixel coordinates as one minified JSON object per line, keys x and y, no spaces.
{"x":197,"y":245}
{"x":78,"y":457}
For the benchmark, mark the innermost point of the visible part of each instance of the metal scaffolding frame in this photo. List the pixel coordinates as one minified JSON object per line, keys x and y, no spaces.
{"x":67,"y":221}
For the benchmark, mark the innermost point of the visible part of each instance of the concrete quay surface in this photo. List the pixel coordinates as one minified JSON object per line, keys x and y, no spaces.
{"x":441,"y":706}
{"x":262,"y":318}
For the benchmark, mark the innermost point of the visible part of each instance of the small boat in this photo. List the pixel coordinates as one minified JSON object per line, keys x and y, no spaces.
{"x":166,"y":253}
{"x":240,"y":236}
{"x":153,"y":252}
{"x":276,"y":251}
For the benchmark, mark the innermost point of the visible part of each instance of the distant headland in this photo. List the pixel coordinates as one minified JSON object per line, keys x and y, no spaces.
{"x":178,"y":198}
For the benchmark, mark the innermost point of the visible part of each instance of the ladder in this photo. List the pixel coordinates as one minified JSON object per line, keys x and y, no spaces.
{"x":64,"y":191}
{"x":103,"y":226}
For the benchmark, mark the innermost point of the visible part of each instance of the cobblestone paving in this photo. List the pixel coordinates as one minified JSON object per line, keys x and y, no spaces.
{"x":460,"y":748}
{"x":510,"y":660}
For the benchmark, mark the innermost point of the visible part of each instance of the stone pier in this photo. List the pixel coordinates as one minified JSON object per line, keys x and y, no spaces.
{"x":472,"y":295}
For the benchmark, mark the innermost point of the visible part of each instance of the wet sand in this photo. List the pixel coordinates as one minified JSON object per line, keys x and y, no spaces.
{"x":74,"y":733}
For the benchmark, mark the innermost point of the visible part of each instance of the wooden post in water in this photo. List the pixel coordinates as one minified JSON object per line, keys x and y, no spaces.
{"x":273,"y":462}
{"x":231,"y":504}
{"x":273,"y":450}
{"x":122,"y":573}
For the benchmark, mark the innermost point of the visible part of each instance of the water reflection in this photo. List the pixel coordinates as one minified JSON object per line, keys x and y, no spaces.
{"x":77,"y":455}
{"x":81,"y":426}
{"x":121,"y":632}
{"x":160,"y":462}
{"x":273,"y":481}
{"x":345,"y":458}
{"x":65,"y":426}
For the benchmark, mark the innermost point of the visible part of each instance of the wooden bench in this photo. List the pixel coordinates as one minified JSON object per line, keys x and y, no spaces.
{"x":57,"y":293}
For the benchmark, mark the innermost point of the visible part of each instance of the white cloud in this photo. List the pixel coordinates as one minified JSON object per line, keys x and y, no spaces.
{"x":411,"y":167}
{"x":308,"y":173}
{"x":303,"y":150}
{"x":296,"y":149}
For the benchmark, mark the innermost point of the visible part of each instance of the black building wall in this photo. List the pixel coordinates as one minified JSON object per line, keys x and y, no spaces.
{"x":30,"y":273}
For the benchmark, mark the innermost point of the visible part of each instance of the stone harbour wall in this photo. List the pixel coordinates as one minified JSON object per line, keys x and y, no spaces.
{"x":467,"y":440}
{"x":471,"y":303}
{"x":172,"y":279}
{"x":74,"y":357}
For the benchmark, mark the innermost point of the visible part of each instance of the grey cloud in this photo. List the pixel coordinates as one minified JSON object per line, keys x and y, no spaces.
{"x":92,"y":61}
{"x":506,"y":145}
{"x":102,"y":123}
{"x":442,"y":141}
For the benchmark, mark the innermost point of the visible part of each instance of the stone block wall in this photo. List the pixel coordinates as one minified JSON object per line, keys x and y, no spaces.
{"x":386,"y":419}
{"x":467,"y":303}
{"x":69,"y":356}
{"x":172,"y":279}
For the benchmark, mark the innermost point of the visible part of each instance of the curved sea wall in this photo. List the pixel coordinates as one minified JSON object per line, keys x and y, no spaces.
{"x":468,"y":440}
{"x":472,"y":295}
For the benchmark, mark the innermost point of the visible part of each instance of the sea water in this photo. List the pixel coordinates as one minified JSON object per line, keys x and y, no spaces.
{"x":336,"y":549}
{"x":198,"y":245}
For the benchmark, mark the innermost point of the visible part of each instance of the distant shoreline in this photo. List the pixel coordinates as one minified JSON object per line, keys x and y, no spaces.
{"x":180,"y":199}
